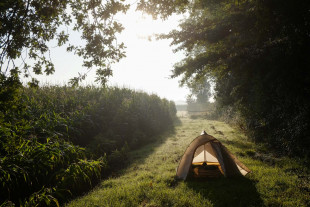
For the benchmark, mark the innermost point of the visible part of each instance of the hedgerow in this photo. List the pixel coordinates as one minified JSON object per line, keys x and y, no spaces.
{"x":58,"y":141}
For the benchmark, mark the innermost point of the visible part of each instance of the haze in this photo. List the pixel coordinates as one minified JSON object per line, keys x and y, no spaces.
{"x":148,"y":63}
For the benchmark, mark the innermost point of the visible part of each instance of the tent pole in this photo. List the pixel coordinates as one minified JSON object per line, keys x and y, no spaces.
{"x":204,"y":153}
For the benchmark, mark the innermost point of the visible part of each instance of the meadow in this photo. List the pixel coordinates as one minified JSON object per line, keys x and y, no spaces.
{"x":58,"y":142}
{"x":149,"y":178}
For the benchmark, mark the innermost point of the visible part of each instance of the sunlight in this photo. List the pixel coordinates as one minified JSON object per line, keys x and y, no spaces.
{"x":144,"y":26}
{"x":147,"y":65}
{"x":148,"y":61}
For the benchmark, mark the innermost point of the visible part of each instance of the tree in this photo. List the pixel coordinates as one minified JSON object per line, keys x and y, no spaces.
{"x":163,"y":9}
{"x":200,"y":91}
{"x":27,"y":26}
{"x":257,"y":53}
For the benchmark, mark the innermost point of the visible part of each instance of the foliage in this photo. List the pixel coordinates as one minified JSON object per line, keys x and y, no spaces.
{"x":162,"y":8}
{"x":257,"y":53}
{"x":27,"y":29}
{"x":200,"y":92}
{"x":198,"y":101}
{"x":88,"y":113}
{"x":43,"y":130}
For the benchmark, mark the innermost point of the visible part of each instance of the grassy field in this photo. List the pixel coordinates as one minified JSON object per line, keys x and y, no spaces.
{"x":149,"y":178}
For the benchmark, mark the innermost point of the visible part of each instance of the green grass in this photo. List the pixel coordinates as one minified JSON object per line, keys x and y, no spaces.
{"x":149,"y":178}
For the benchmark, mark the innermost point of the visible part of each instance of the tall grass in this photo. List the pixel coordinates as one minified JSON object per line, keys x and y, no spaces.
{"x":57,"y":142}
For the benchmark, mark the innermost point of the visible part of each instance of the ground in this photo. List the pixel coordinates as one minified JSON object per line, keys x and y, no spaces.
{"x":149,"y":178}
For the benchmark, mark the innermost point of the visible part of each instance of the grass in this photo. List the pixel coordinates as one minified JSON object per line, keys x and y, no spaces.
{"x":149,"y":178}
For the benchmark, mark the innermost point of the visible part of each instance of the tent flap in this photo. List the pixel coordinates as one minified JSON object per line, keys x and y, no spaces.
{"x":217,"y":149}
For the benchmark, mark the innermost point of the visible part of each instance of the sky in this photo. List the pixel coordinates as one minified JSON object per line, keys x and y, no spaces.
{"x":147,"y":65}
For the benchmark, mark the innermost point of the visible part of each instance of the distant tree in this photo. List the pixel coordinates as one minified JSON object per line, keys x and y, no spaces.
{"x":27,"y":26}
{"x":200,"y":91}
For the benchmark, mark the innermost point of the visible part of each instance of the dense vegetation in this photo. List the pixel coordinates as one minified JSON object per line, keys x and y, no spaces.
{"x":256,"y":53}
{"x":57,"y":142}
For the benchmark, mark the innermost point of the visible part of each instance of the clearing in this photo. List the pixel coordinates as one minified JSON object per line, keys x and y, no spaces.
{"x":149,"y":178}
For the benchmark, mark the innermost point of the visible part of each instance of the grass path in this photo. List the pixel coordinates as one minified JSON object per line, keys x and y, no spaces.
{"x":149,"y":178}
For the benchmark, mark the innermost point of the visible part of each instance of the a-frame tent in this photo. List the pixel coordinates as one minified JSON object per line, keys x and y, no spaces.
{"x":206,"y":151}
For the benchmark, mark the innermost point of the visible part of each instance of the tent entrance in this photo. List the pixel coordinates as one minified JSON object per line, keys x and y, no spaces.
{"x":205,"y":163}
{"x":206,"y":170}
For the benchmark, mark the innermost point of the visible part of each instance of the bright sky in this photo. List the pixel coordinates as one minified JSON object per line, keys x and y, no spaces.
{"x":147,"y":66}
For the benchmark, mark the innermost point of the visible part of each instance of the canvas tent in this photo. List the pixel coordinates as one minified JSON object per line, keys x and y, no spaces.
{"x":207,"y":157}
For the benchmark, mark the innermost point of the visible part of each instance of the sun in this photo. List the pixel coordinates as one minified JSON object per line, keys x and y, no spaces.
{"x":148,"y":62}
{"x":141,"y":25}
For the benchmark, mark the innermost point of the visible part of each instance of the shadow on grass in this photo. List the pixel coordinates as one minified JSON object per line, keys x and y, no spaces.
{"x":139,"y":154}
{"x":221,"y":192}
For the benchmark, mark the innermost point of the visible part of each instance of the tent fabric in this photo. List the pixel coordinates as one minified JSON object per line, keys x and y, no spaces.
{"x":205,"y":153}
{"x":206,"y":148}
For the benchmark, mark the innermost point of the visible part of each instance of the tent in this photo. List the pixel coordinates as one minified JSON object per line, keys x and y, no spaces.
{"x":207,"y":157}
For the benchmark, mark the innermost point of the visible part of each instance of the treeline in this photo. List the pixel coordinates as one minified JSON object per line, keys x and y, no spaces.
{"x":57,"y":142}
{"x":257,"y":55}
